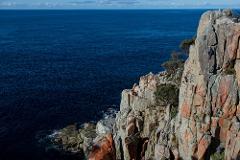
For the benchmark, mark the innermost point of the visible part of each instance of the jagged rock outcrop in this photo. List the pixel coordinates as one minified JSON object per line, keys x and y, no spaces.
{"x":204,"y":121}
{"x":208,"y":118}
{"x":144,"y":127}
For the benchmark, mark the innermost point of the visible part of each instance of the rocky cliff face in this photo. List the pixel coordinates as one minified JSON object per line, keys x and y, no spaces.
{"x":207,"y":124}
{"x":209,"y":108}
{"x":204,"y":121}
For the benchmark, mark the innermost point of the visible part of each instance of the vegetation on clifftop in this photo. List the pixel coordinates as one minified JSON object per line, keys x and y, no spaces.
{"x":174,"y":68}
{"x":185,"y":44}
{"x":167,"y":94}
{"x":173,"y":64}
{"x":176,"y":62}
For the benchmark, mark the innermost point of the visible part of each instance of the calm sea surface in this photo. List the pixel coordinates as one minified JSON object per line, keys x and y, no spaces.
{"x":61,"y":67}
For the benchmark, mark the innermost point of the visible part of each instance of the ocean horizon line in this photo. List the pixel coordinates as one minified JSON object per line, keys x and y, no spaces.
{"x":109,"y":9}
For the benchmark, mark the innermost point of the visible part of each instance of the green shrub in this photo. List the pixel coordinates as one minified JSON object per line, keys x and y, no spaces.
{"x":217,"y":156}
{"x":229,"y":70}
{"x":185,"y":44}
{"x":171,"y":66}
{"x":174,"y":111}
{"x":167,"y":94}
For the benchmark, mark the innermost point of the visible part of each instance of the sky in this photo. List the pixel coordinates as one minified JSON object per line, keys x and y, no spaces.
{"x":117,"y":4}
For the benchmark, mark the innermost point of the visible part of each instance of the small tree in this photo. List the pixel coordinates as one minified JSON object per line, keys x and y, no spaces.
{"x":175,"y":55}
{"x":172,"y":65}
{"x":185,"y":44}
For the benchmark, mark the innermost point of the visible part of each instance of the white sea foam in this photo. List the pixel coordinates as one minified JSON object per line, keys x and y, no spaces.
{"x":110,"y":112}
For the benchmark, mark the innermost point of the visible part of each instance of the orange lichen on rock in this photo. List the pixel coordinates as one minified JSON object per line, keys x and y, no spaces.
{"x":185,"y":110}
{"x":104,"y":149}
{"x":202,"y":147}
{"x":223,"y":90}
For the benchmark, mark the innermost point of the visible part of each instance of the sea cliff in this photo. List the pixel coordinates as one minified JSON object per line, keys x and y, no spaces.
{"x":190,"y":113}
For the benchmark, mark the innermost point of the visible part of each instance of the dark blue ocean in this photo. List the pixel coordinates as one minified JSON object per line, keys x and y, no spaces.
{"x":61,"y":67}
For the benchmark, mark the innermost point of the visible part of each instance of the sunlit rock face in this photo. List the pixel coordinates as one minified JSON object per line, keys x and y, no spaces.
{"x":209,"y":93}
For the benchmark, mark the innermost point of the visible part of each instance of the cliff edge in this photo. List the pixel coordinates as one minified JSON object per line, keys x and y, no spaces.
{"x":207,"y":123}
